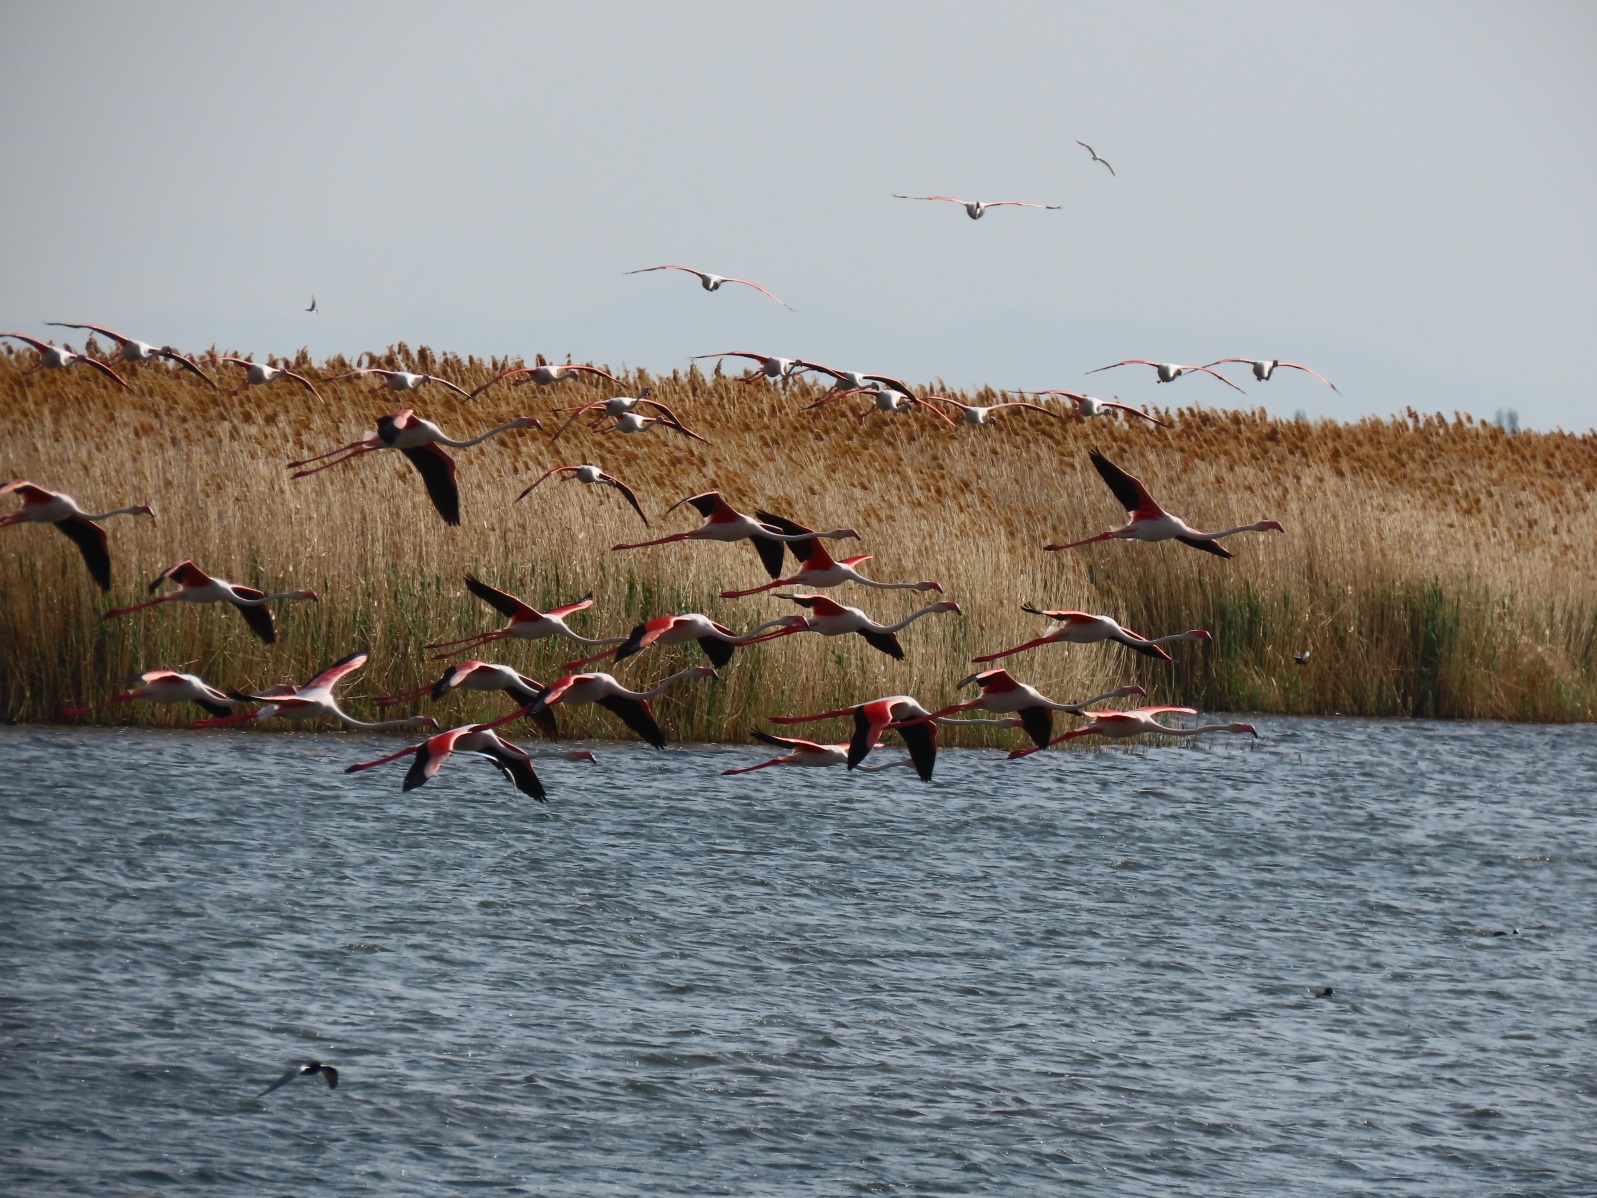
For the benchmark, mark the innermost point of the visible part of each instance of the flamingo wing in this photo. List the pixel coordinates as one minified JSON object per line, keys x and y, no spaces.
{"x":544,"y":475}
{"x":518,"y":768}
{"x":1216,"y":374}
{"x":1213,"y":547}
{"x":1021,"y":204}
{"x":304,"y":382}
{"x":802,"y":550}
{"x":571,"y":609}
{"x":41,"y":346}
{"x":93,"y":328}
{"x":105,"y":370}
{"x":948,"y":199}
{"x":1127,"y":362}
{"x":635,"y":714}
{"x":329,"y":677}
{"x":90,"y":539}
{"x":1035,"y":407}
{"x":430,"y":757}
{"x":611,"y":480}
{"x":646,"y":269}
{"x":886,"y":642}
{"x":1315,"y":373}
{"x":1135,"y":412}
{"x":1038,"y":723}
{"x":762,"y":291}
{"x":188,"y":364}
{"x":437,"y":470}
{"x":503,"y":603}
{"x":1128,"y":488}
{"x":500,"y":377}
{"x":921,"y":741}
{"x":792,"y":743}
{"x":259,"y":617}
{"x":455,"y":387}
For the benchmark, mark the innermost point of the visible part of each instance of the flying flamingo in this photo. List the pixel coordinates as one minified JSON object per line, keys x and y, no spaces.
{"x":712,"y":282}
{"x":421,"y":441}
{"x":1136,"y":722}
{"x":717,"y":640}
{"x":196,"y":586}
{"x":511,"y":760}
{"x":972,"y":414}
{"x":887,"y":399}
{"x":872,"y":719}
{"x":1084,"y":628}
{"x":258,"y":374}
{"x":399,"y":380}
{"x":59,"y":357}
{"x":821,"y":571}
{"x":1088,"y":406}
{"x":1150,"y":522}
{"x":766,"y":365}
{"x":482,"y":676}
{"x":134,"y":350}
{"x":629,"y":706}
{"x":634,"y":422}
{"x":589,"y":474}
{"x":526,"y":623}
{"x":724,"y":523}
{"x":1003,"y":694}
{"x":169,"y":686}
{"x":1263,"y":368}
{"x":41,"y":506}
{"x":1095,"y":157}
{"x":975,"y":209}
{"x":315,"y":699}
{"x":829,"y":618}
{"x":622,"y":405}
{"x":545,"y":376}
{"x":840,"y":378}
{"x":808,"y":753}
{"x":1168,"y":372}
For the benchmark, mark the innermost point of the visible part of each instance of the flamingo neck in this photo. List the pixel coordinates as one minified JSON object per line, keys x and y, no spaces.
{"x":121,"y":511}
{"x":910,"y":619}
{"x":493,"y":432}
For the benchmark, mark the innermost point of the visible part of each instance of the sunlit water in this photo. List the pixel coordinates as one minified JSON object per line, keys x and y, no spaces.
{"x":1084,"y":968}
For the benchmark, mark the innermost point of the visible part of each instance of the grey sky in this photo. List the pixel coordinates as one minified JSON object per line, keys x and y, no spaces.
{"x":1398,"y":195}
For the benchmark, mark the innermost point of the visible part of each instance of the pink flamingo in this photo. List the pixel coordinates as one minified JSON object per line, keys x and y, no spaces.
{"x":768,"y":532}
{"x":134,"y":350}
{"x":588,"y":474}
{"x":1263,"y":368}
{"x":712,"y":282}
{"x":399,"y":380}
{"x":821,"y":571}
{"x":59,"y":357}
{"x":829,"y":618}
{"x":625,"y":405}
{"x":482,"y":676}
{"x":42,"y":506}
{"x":1150,"y":522}
{"x":976,"y":209}
{"x":1088,"y":406}
{"x":1169,"y":372}
{"x":891,"y":400}
{"x":1136,"y":722}
{"x":258,"y":374}
{"x":169,"y":686}
{"x":526,"y":623}
{"x":545,"y":376}
{"x":900,"y":712}
{"x":422,"y":442}
{"x":313,"y":700}
{"x":809,"y":753}
{"x":513,"y":761}
{"x":717,"y":640}
{"x":973,"y":414}
{"x":196,"y":586}
{"x":1084,"y":628}
{"x":1006,"y":695}
{"x":631,"y":707}
{"x":765,"y":365}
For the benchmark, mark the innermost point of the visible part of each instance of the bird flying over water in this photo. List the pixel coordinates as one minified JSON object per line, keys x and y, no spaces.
{"x":1136,"y":722}
{"x":308,"y":1069}
{"x":976,"y":209}
{"x":513,"y":761}
{"x":196,"y":586}
{"x":712,"y":282}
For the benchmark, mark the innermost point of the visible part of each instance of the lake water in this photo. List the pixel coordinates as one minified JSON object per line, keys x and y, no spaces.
{"x":1090,"y":970}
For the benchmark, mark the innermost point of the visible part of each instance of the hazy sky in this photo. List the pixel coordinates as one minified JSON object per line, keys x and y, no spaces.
{"x":1401,"y":196}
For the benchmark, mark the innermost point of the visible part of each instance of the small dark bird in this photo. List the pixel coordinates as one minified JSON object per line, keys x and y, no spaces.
{"x":312,"y":308}
{"x":1095,"y":157}
{"x":308,"y":1069}
{"x":1326,"y":993}
{"x":1302,"y":659}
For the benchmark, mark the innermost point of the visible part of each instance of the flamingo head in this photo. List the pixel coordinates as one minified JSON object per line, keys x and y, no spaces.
{"x":949,"y":605}
{"x":1248,"y":728}
{"x":144,"y":509}
{"x":1199,"y":634}
{"x":928,"y":586}
{"x":703,"y":672}
{"x":311,"y":595}
{"x":526,"y":422}
{"x":986,"y":678}
{"x":1129,"y":689}
{"x":578,"y":755}
{"x":424,"y":721}
{"x":1269,"y":526}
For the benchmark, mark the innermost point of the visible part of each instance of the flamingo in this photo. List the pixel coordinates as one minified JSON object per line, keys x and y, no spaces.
{"x":258,"y":374}
{"x":1095,"y":156}
{"x":169,"y":686}
{"x":899,"y":712}
{"x":1150,"y":522}
{"x":526,"y":623}
{"x":630,"y":706}
{"x":1168,"y":372}
{"x":972,"y":414}
{"x":545,"y":376}
{"x":829,"y":618}
{"x":314,"y":699}
{"x":622,"y":405}
{"x":1003,"y":694}
{"x":1088,"y":406}
{"x":712,"y":282}
{"x":589,"y":474}
{"x":1136,"y":722}
{"x":769,"y":532}
{"x":717,"y":640}
{"x":840,"y":378}
{"x":1263,"y":368}
{"x":766,"y":365}
{"x":421,"y":442}
{"x":42,"y":506}
{"x":482,"y":676}
{"x":1084,"y":628}
{"x":821,"y":571}
{"x":889,"y":399}
{"x":976,"y":209}
{"x":59,"y":357}
{"x":308,"y":1068}
{"x":511,"y":760}
{"x":400,"y":380}
{"x":196,"y":586}
{"x":809,"y":753}
{"x":134,"y":350}
{"x":633,"y":422}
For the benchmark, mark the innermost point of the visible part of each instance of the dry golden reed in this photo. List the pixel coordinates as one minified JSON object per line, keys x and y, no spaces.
{"x":1432,"y":567}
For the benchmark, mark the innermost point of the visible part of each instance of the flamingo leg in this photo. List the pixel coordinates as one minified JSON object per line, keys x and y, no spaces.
{"x":749,"y":769}
{"x":73,"y":711}
{"x":1042,"y":640}
{"x":1103,"y":536}
{"x":482,"y":638}
{"x":780,"y":582}
{"x":403,"y":696}
{"x":128,"y":611}
{"x":223,"y":720}
{"x":350,"y":457}
{"x":674,"y":537}
{"x":367,"y":765}
{"x":588,"y":661}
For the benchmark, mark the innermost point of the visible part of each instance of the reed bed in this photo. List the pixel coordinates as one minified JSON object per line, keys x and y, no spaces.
{"x":1432,"y":567}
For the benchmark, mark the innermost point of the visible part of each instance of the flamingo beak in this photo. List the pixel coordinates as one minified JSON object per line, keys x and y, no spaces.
{"x":954,"y":607}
